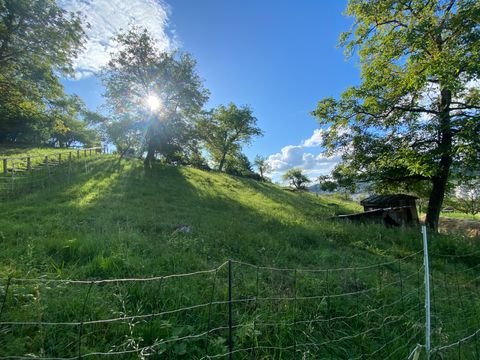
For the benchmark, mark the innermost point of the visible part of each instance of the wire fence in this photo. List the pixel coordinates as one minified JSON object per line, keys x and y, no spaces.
{"x":243,"y":311}
{"x":236,"y":310}
{"x":23,"y":174}
{"x":240,"y":310}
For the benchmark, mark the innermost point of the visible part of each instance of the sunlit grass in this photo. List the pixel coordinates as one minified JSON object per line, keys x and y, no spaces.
{"x":111,"y":220}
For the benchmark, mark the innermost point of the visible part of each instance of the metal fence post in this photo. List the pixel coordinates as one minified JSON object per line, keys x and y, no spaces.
{"x":230,"y":315}
{"x":427,"y":292}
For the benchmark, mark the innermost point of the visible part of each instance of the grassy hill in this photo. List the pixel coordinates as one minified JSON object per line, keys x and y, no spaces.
{"x":107,"y":220}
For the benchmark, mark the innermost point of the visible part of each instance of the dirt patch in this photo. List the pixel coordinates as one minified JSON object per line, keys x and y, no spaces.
{"x":470,"y":228}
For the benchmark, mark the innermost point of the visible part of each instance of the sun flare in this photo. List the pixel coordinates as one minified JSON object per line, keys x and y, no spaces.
{"x":153,"y":102}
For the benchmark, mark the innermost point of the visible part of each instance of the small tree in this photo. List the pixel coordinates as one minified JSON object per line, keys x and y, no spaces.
{"x":296,"y":178}
{"x":467,"y":197}
{"x":126,"y":135}
{"x":225,"y":129}
{"x":262,"y":165}
{"x":326,"y":183}
{"x":239,"y":165}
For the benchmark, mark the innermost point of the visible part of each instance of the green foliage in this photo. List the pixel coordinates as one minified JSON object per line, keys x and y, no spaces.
{"x":467,"y":197}
{"x":326,"y":183}
{"x":415,"y":114}
{"x":296,"y":178}
{"x":225,"y":129}
{"x":139,"y":71}
{"x":38,"y":41}
{"x":263,"y":166}
{"x":239,"y":165}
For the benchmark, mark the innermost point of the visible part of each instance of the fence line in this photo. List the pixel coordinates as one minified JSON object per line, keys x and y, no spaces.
{"x":312,"y":312}
{"x":14,"y":160}
{"x":369,"y":267}
{"x":305,"y":343}
{"x":23,"y":173}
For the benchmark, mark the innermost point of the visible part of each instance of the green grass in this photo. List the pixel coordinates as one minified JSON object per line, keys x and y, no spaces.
{"x":37,"y":156}
{"x":107,"y":220}
{"x":459,"y":215}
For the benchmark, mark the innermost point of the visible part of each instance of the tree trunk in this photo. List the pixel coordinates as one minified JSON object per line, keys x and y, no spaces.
{"x":440,"y":181}
{"x":222,"y":160}
{"x":435,"y":202}
{"x":150,"y":154}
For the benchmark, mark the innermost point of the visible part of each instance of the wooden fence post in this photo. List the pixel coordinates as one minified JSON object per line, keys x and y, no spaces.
{"x":59,"y":157}
{"x":78,"y":154}
{"x":29,"y":163}
{"x":5,"y":166}
{"x":46,"y":161}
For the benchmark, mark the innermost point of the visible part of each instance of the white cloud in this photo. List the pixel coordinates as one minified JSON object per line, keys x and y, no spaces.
{"x":107,"y":17}
{"x":303,"y":156}
{"x":314,"y":140}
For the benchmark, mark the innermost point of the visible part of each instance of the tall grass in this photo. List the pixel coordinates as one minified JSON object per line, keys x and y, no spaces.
{"x":118,"y":220}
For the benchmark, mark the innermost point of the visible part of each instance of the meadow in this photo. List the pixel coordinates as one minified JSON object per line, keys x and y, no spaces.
{"x":303,"y":285}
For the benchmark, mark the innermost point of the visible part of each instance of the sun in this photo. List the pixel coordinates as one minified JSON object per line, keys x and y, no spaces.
{"x":153,"y":102}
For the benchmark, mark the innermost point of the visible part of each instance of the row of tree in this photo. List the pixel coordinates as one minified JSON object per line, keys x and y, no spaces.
{"x":412,"y":124}
{"x":156,"y":102}
{"x":154,"y":99}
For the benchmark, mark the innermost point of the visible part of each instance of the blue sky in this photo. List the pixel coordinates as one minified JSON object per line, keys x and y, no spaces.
{"x":278,"y":56}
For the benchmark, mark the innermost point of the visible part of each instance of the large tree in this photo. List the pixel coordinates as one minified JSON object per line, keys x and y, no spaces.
{"x":153,"y":90}
{"x":225,"y":129}
{"x":38,"y":41}
{"x":415,"y":116}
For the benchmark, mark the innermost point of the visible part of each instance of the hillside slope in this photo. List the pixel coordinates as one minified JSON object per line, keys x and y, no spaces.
{"x":129,"y":217}
{"x":110,"y":221}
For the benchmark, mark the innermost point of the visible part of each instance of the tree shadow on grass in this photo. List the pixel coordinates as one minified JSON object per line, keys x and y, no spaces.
{"x":118,"y":222}
{"x":123,"y":220}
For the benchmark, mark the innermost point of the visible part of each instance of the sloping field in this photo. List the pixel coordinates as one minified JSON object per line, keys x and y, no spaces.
{"x":91,"y":267}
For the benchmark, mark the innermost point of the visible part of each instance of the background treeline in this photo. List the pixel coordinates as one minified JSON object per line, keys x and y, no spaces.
{"x":154,"y":99}
{"x":156,"y":102}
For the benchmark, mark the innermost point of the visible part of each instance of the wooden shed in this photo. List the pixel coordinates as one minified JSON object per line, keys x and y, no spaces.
{"x":396,"y":210}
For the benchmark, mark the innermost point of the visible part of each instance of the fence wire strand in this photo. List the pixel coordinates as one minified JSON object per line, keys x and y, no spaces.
{"x":407,"y":297}
{"x":338,"y":308}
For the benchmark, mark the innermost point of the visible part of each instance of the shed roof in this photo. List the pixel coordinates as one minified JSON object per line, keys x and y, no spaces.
{"x":386,"y":200}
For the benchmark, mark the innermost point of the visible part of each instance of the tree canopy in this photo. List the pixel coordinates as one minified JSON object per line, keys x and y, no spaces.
{"x":38,"y":42}
{"x":296,"y":178}
{"x":225,"y":129}
{"x":263,"y":166}
{"x":415,"y":116}
{"x":154,"y":92}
